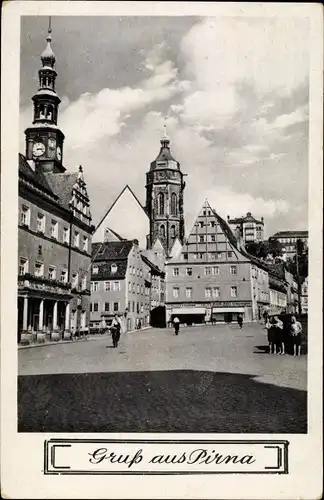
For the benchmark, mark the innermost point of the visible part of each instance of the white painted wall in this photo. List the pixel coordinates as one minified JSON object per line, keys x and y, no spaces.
{"x":127,"y":218}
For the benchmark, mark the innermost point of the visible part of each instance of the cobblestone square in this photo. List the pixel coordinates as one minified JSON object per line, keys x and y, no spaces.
{"x":213,"y":379}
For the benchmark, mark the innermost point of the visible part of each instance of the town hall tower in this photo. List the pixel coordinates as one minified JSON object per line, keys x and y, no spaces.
{"x":44,"y":140}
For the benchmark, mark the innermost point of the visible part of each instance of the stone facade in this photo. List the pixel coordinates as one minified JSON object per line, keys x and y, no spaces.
{"x":164,"y":199}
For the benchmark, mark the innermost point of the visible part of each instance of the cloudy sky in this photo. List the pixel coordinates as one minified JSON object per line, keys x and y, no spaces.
{"x":235,"y":91}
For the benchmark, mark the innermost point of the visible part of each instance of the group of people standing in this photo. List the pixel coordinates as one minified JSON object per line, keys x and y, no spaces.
{"x":280,"y":335}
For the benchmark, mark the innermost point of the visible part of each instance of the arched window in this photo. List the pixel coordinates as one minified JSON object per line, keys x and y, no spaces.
{"x":162,"y":230}
{"x":173,"y":232}
{"x":174,"y":207}
{"x":49,"y":112}
{"x":161,"y":204}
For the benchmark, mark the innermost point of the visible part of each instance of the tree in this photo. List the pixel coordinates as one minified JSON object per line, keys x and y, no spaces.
{"x":298,"y":267}
{"x":263,"y":249}
{"x":275,"y":247}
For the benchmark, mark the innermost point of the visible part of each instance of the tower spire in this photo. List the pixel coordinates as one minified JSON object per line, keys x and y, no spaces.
{"x":165,"y":141}
{"x":48,"y":56}
{"x":44,"y":132}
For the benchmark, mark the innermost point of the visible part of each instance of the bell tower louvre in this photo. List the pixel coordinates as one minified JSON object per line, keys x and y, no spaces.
{"x":44,"y":140}
{"x":164,"y":198}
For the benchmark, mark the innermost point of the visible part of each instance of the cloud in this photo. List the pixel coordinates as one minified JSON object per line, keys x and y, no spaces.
{"x":269,"y":52}
{"x":282,"y":121}
{"x":236,"y":100}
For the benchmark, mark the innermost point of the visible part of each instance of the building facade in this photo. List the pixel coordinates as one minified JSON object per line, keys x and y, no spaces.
{"x":119,"y":285}
{"x":288,"y":239}
{"x":164,"y":199}
{"x":213,"y":279}
{"x":252,"y":230}
{"x":54,"y":227}
{"x":304,"y":297}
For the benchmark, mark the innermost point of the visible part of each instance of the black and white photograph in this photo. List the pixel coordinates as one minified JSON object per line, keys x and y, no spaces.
{"x":163,"y":217}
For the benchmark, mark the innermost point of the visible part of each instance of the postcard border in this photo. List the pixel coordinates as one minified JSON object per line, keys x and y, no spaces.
{"x":47,"y":443}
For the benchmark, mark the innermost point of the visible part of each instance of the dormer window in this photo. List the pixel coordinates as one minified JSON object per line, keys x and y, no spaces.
{"x":95,"y":269}
{"x":113,"y":268}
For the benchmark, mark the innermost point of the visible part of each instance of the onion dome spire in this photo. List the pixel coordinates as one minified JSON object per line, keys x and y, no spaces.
{"x":48,"y":56}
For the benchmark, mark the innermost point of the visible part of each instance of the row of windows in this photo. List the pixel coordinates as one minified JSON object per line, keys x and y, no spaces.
{"x":210,"y":292}
{"x":54,"y":227}
{"x":94,"y":306}
{"x":204,"y":255}
{"x":137,"y":306}
{"x":208,"y":271}
{"x":136,"y":288}
{"x":256,"y":272}
{"x":202,"y":223}
{"x":114,"y":268}
{"x":115,"y":307}
{"x":108,"y":286}
{"x":53,"y":274}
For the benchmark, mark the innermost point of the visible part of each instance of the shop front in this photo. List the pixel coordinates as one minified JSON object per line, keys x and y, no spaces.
{"x":189,"y":315}
{"x":226,"y":314}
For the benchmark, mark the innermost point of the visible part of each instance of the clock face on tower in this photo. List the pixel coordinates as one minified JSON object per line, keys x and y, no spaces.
{"x":58,"y":153}
{"x":38,"y":149}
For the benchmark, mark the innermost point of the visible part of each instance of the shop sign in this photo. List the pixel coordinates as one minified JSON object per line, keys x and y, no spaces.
{"x":231,"y":304}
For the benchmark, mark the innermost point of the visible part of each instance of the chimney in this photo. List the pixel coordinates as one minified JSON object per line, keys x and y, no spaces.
{"x":262,"y":220}
{"x":228,"y":218}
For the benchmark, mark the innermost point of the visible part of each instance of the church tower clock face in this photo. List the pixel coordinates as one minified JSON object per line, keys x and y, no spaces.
{"x":38,"y":149}
{"x":58,"y":153}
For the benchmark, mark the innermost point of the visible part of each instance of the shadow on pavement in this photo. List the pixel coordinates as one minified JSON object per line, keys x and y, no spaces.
{"x":158,"y":401}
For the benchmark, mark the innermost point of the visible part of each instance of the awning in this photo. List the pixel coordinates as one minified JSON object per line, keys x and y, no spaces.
{"x":189,"y":310}
{"x":228,"y":310}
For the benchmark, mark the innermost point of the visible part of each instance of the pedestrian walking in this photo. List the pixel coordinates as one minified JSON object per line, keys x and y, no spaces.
{"x":176,"y":324}
{"x":265,"y":317}
{"x":295,"y":335}
{"x":240,"y":320}
{"x":115,"y":330}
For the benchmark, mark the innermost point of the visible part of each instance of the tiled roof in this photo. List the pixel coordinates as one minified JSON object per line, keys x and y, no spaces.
{"x":111,"y":251}
{"x":62,"y":186}
{"x":226,"y":229}
{"x":36,"y":177}
{"x":273,"y":270}
{"x":105,"y":270}
{"x":164,"y":156}
{"x":290,"y":234}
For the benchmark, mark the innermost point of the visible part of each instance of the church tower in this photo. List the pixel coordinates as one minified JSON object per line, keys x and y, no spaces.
{"x":164,"y":199}
{"x":44,"y":140}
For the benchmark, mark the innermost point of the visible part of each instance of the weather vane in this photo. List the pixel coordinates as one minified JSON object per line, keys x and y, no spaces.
{"x":165,"y":125}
